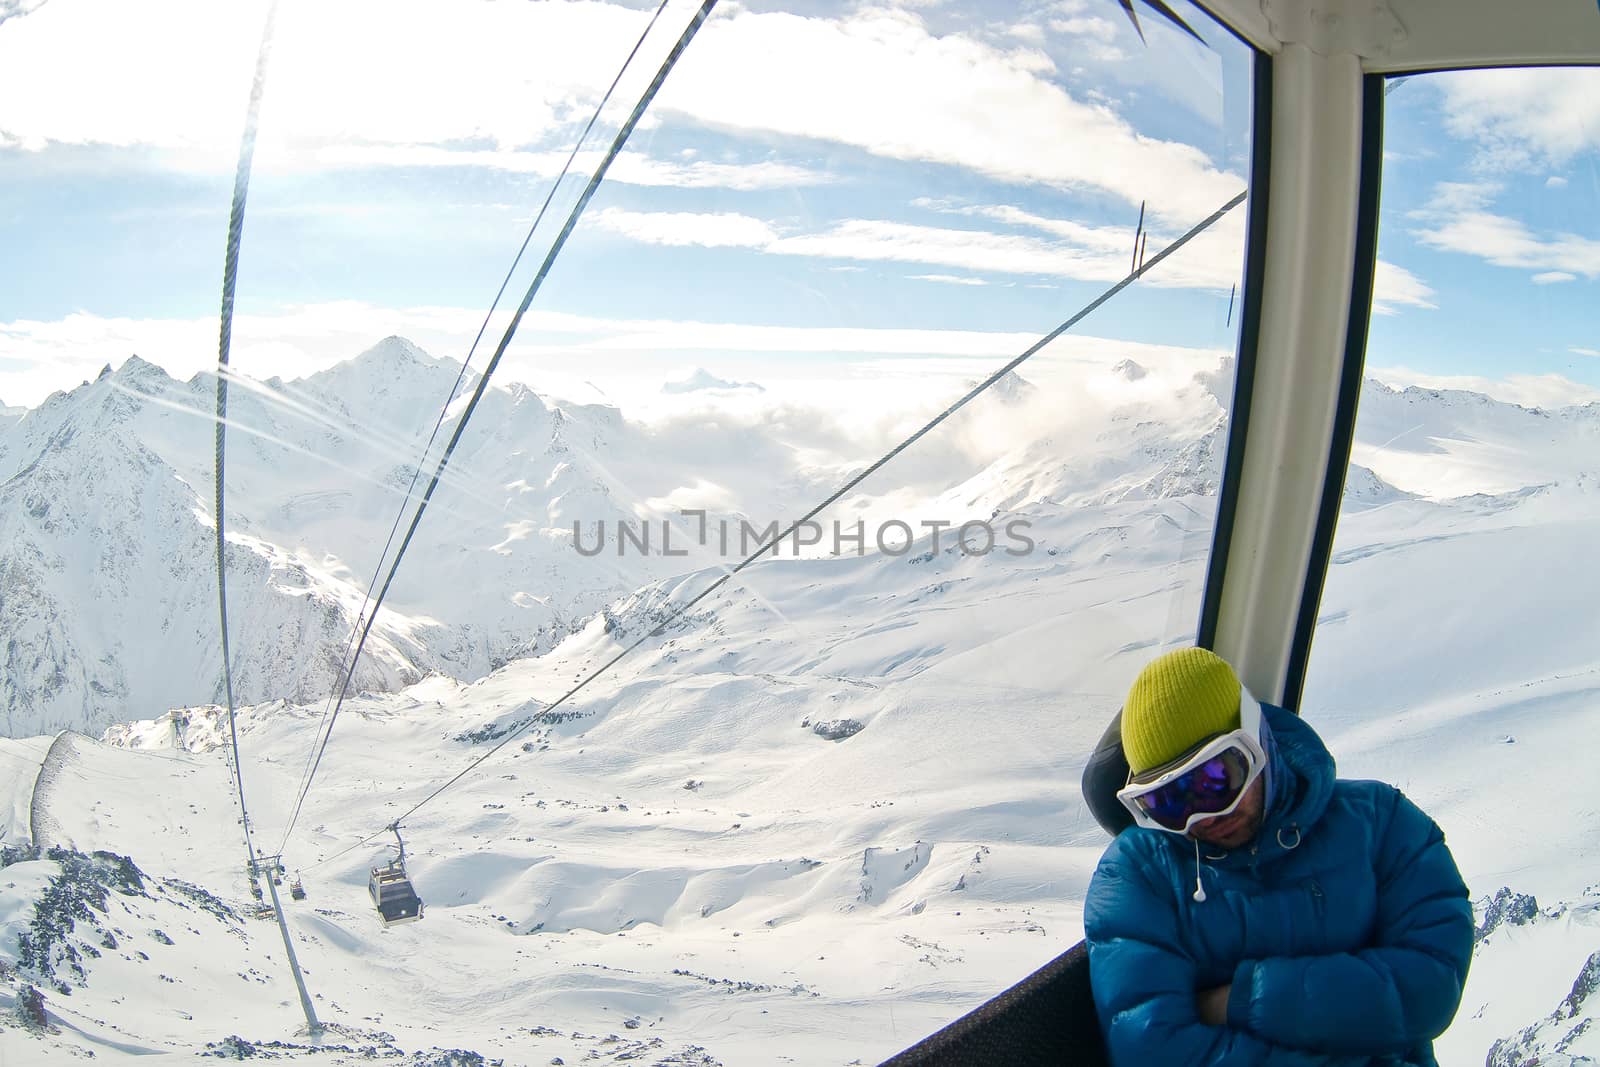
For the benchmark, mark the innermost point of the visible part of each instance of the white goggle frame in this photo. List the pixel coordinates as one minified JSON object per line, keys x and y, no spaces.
{"x":1246,"y":738}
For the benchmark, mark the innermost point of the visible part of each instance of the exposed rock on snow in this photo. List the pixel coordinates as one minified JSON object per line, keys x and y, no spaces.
{"x":837,"y":729}
{"x":1567,"y":1037}
{"x":1505,"y":908}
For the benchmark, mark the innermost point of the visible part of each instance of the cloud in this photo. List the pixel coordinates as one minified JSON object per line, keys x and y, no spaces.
{"x":1084,"y":253}
{"x":1095,"y":37}
{"x":699,"y":379}
{"x":175,"y":74}
{"x":1553,"y":276}
{"x":356,"y":84}
{"x":1555,"y":181}
{"x":1100,"y":29}
{"x":1104,"y":238}
{"x":897,"y":90}
{"x":900,"y":242}
{"x":39,"y":357}
{"x":683,"y":228}
{"x":1459,"y":220}
{"x":1102,"y":254}
{"x":630,"y":168}
{"x":1209,"y":262}
{"x":1522,"y":116}
{"x":674,"y":335}
{"x":365,"y":80}
{"x":1394,"y":287}
{"x":946,"y":279}
{"x":1585,"y":352}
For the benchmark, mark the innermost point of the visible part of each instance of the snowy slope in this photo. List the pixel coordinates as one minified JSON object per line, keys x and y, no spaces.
{"x":689,"y":854}
{"x":1449,"y":443}
{"x":680,"y":866}
{"x":695,"y":804}
{"x":92,"y":516}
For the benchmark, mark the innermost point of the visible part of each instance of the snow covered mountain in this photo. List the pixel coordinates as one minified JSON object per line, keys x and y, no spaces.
{"x":834,"y":806}
{"x":108,"y":494}
{"x":1449,"y":443}
{"x":106,"y":499}
{"x":1539,"y":958}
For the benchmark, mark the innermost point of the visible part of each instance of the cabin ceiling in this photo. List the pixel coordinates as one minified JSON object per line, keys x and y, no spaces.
{"x":1406,"y":36}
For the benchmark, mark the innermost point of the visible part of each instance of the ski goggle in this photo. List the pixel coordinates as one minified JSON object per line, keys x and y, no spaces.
{"x":1205,"y":783}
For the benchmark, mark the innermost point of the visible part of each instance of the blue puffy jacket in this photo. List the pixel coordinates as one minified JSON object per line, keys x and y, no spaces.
{"x":1345,"y":928}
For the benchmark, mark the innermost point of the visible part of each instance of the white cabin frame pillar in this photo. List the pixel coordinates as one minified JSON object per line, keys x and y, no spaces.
{"x":1289,"y":389}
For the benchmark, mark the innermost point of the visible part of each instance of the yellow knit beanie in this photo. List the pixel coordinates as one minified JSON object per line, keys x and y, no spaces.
{"x":1179,"y":700}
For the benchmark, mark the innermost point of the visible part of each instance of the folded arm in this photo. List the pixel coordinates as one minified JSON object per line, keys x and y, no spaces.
{"x":1402,"y":990}
{"x":1145,"y":986}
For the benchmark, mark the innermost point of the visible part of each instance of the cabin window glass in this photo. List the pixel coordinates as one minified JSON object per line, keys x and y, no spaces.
{"x":836,"y":805}
{"x":1455,"y":651}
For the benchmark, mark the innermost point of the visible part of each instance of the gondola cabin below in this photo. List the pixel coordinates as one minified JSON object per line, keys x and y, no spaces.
{"x":392,"y":894}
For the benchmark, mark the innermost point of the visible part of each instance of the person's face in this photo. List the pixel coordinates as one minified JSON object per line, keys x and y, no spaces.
{"x":1238,"y":827}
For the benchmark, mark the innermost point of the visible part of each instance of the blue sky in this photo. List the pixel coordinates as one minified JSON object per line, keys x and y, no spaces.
{"x":1494,"y":206}
{"x":940,"y":180}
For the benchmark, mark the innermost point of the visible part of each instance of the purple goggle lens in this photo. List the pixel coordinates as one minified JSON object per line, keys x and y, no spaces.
{"x":1203,"y":790}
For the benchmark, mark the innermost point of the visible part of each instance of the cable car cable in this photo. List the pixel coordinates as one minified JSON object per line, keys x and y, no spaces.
{"x":230,"y":277}
{"x":766,"y":546}
{"x":347,"y":665}
{"x":576,"y":213}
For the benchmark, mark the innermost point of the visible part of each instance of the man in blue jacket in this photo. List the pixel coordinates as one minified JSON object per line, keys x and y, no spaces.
{"x":1261,"y":912}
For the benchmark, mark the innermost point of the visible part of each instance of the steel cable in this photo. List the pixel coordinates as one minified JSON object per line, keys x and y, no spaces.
{"x":832,"y":498}
{"x":617,"y":144}
{"x":230,"y":276}
{"x":347,"y":665}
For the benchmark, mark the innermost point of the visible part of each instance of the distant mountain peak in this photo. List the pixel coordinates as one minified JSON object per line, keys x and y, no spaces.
{"x":136,"y":368}
{"x":394,"y":367}
{"x":1445,"y":398}
{"x":396,"y":349}
{"x":1363,"y":488}
{"x":1013,"y":387}
{"x":1010,"y":388}
{"x":1129,"y":371}
{"x":702,"y":380}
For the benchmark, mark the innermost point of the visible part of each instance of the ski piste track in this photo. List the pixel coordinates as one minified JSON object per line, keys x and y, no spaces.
{"x":40,"y":826}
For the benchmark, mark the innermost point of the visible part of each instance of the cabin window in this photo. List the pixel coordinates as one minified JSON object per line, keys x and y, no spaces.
{"x":843,"y":790}
{"x":1456,"y":640}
